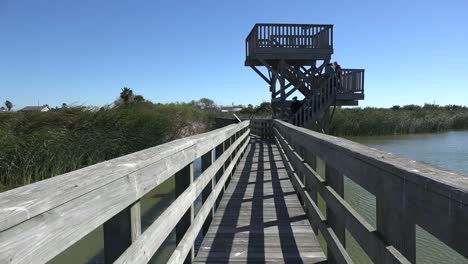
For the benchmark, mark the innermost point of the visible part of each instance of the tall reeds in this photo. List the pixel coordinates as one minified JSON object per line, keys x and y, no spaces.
{"x":36,"y":146}
{"x":399,"y":120}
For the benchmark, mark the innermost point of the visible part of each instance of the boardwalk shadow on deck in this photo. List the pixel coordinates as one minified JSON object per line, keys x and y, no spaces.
{"x":238,"y":231}
{"x":223,"y":241}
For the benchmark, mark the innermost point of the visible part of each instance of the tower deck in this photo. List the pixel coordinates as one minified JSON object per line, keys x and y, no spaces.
{"x":295,"y":43}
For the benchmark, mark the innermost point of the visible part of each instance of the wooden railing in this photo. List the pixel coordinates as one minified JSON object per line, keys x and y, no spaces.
{"x":407,"y":194}
{"x":41,"y":220}
{"x":316,"y":102}
{"x":262,"y":128}
{"x":351,"y":81}
{"x":289,"y":36}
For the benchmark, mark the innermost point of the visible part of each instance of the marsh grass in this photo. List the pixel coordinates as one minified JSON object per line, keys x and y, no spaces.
{"x":36,"y":146}
{"x":408,"y":119}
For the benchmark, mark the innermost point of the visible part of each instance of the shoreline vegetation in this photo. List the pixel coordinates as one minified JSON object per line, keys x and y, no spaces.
{"x":373,"y":121}
{"x":408,"y":119}
{"x":36,"y":146}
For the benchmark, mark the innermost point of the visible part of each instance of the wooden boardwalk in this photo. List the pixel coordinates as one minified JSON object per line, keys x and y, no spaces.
{"x":260,"y":219}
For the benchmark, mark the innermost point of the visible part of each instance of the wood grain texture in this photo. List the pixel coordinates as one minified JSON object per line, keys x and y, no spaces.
{"x":444,"y":182}
{"x":146,"y":245}
{"x":40,"y":220}
{"x":188,"y":240}
{"x":23,"y":203}
{"x":435,"y":199}
{"x":360,"y":229}
{"x":260,"y":218}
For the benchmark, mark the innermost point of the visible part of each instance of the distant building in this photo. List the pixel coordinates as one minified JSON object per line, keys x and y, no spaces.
{"x":43,"y":108}
{"x":230,"y":109}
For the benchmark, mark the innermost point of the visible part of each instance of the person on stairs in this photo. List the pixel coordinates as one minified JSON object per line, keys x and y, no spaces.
{"x":330,"y":69}
{"x":338,"y":73}
{"x":295,"y":106}
{"x":330,"y":72}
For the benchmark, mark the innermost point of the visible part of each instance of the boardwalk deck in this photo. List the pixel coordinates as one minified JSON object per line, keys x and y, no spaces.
{"x":260,"y":218}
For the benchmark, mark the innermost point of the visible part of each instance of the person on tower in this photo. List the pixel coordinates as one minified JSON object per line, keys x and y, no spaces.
{"x":338,"y":73}
{"x":295,"y":105}
{"x":338,"y":70}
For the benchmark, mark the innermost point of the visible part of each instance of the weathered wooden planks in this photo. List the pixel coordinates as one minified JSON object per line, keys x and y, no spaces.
{"x":146,"y":245}
{"x":408,"y":193}
{"x":40,"y":220}
{"x":260,"y":218}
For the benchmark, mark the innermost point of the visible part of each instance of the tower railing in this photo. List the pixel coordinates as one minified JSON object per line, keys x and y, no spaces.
{"x":264,"y":37}
{"x":351,"y":80}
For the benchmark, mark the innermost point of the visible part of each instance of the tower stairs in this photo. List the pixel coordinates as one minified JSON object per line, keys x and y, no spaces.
{"x":295,"y":57}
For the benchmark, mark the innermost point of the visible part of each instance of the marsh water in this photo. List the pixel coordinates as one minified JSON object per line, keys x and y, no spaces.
{"x":447,"y":150}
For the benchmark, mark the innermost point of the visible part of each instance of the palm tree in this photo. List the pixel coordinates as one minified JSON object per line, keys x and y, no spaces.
{"x":126,"y":95}
{"x":9,"y":105}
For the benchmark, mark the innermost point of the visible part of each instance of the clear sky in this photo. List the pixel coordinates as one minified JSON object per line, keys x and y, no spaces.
{"x":85,"y":51}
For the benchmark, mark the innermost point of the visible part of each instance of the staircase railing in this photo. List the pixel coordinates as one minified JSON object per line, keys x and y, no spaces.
{"x":348,"y":81}
{"x":315,"y":104}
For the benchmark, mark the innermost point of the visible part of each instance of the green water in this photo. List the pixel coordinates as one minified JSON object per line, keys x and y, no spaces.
{"x":446,"y":150}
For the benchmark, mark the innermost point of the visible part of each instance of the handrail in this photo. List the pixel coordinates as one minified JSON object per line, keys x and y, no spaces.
{"x":348,"y":81}
{"x":317,"y":100}
{"x":408,"y":193}
{"x":40,"y":220}
{"x":149,"y":242}
{"x":351,"y":80}
{"x":308,"y":36}
{"x":262,"y":127}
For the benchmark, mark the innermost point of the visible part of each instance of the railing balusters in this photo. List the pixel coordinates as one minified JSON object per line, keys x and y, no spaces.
{"x":183,"y":179}
{"x":292,"y":36}
{"x":120,"y":231}
{"x":335,"y":180}
{"x":206,"y":161}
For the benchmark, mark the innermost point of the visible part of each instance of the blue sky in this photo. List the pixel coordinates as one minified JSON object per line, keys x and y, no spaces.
{"x":84,"y":51}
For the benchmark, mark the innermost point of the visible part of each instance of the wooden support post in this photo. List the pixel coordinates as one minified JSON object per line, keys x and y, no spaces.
{"x":135,"y":220}
{"x":120,"y":231}
{"x":273,"y":94}
{"x":336,"y":222}
{"x":206,"y":162}
{"x":311,"y":160}
{"x":218,"y":152}
{"x":183,"y":179}
{"x":231,"y":141}
{"x":396,"y":229}
{"x":282,"y":89}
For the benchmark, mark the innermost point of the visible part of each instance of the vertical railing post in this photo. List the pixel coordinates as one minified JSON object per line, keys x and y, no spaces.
{"x":282,"y":87}
{"x":206,"y":161}
{"x":396,"y":229}
{"x":120,"y":231}
{"x":218,"y":152}
{"x":183,"y":179}
{"x":231,"y":141}
{"x":336,"y":222}
{"x":311,"y":160}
